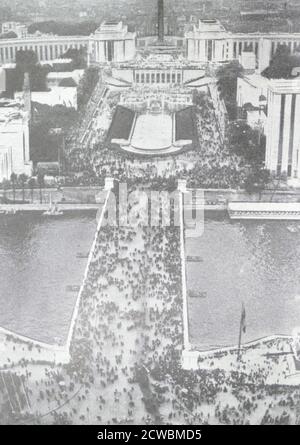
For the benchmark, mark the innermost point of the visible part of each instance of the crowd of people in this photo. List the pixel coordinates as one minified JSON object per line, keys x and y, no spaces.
{"x":208,"y":164}
{"x":127,"y":344}
{"x":126,"y":349}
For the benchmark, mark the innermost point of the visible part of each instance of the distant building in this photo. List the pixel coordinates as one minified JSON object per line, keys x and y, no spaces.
{"x":210,"y":42}
{"x":19,"y":29}
{"x":258,"y":13}
{"x":112,"y":42}
{"x":47,"y":47}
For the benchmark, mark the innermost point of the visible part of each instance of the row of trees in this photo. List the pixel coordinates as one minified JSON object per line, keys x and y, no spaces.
{"x":8,"y":35}
{"x":246,"y":142}
{"x":78,"y":56}
{"x":23,"y":181}
{"x":64,"y":28}
{"x":44,"y":143}
{"x":87,"y":85}
{"x":227,"y":77}
{"x":27,"y":62}
{"x":249,"y":144}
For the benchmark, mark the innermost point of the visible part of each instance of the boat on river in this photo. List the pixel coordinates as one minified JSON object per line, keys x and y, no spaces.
{"x":194,"y":259}
{"x":194,"y":294}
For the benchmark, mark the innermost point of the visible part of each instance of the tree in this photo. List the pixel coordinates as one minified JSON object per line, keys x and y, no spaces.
{"x":27,"y":59}
{"x":41,"y":183}
{"x":13,"y":178}
{"x":9,"y":35}
{"x":87,"y":85}
{"x":246,"y":142}
{"x":5,"y":186}
{"x":44,"y":146}
{"x":227,"y":76}
{"x":85,"y":28}
{"x":23,"y":178}
{"x":31,"y":184}
{"x":78,"y":57}
{"x":27,"y":62}
{"x":282,"y":64}
{"x":257,"y":180}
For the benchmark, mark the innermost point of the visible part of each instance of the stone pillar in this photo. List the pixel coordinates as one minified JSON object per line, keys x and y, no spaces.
{"x":160,"y":7}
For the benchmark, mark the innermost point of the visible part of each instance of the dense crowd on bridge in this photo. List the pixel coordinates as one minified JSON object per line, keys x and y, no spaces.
{"x":126,"y":350}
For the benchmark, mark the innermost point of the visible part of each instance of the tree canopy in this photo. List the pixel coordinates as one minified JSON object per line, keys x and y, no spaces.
{"x":78,"y":57}
{"x":246,"y":142}
{"x":64,"y":28}
{"x":27,"y":62}
{"x":257,"y":180}
{"x":44,"y":145}
{"x":87,"y":85}
{"x":8,"y":35}
{"x":227,"y":76}
{"x":282,"y":64}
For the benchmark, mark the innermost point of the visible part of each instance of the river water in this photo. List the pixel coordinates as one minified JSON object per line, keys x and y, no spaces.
{"x":38,"y":261}
{"x":252,"y":262}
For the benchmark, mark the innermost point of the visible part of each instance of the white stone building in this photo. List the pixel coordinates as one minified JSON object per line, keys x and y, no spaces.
{"x":15,"y":27}
{"x":252,"y":89}
{"x":210,"y":42}
{"x":207,"y":42}
{"x":112,"y":42}
{"x":14,"y":137}
{"x":283,"y":129}
{"x":47,"y":47}
{"x":274,"y":105}
{"x":2,"y":80}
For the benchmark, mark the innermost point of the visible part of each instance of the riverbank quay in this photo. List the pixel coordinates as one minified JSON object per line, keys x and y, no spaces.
{"x":37,"y":350}
{"x":218,"y":196}
{"x":86,"y":194}
{"x":76,"y":194}
{"x":272,"y":355}
{"x":44,"y":207}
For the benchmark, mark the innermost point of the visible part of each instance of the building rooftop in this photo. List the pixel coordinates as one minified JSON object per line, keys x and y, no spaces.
{"x":210,"y":25}
{"x":285,"y":86}
{"x":264,"y":24}
{"x":113,"y":30}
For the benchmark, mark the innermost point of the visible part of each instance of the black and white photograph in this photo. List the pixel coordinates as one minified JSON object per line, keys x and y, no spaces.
{"x":149,"y":215}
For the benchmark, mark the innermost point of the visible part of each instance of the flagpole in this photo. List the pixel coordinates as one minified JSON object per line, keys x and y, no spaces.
{"x":240,"y":334}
